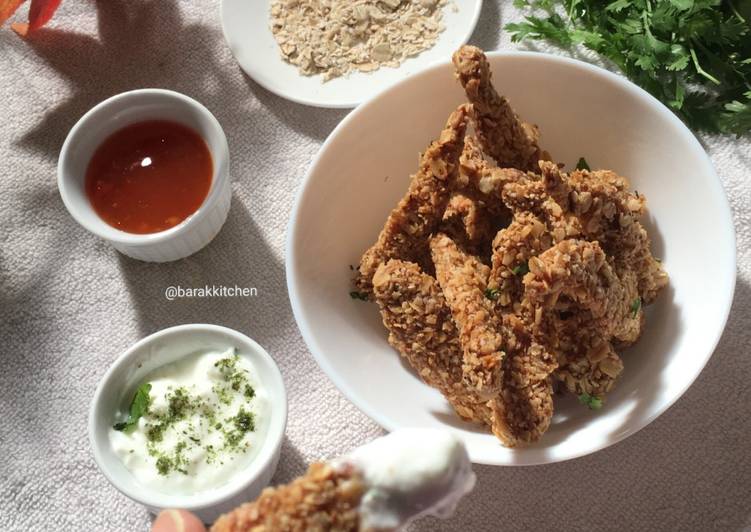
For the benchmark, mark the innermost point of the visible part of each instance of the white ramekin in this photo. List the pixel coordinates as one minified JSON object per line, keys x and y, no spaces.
{"x":155,"y":351}
{"x":117,"y":112}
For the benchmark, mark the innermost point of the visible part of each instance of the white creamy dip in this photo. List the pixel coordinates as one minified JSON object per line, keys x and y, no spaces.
{"x":204,"y":420}
{"x":411,"y":473}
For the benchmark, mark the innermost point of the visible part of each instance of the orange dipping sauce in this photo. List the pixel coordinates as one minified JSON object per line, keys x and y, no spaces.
{"x":149,"y":176}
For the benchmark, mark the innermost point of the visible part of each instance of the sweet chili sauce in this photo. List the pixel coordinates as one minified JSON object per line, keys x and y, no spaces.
{"x":149,"y":176}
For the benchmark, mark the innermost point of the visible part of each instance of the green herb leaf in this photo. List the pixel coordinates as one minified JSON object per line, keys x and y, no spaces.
{"x":635,"y":306}
{"x":359,"y":295}
{"x":582,"y":164}
{"x":592,"y":401}
{"x":139,"y":406}
{"x":693,"y":55}
{"x":522,"y":269}
{"x":492,"y":293}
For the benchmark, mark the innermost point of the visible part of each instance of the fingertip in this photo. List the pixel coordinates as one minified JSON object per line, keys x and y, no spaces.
{"x":177,"y":521}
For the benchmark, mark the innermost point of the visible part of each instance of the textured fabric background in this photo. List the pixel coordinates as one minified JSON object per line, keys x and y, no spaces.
{"x":69,"y":304}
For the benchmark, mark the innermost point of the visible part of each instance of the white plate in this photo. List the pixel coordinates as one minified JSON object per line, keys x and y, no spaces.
{"x":246,"y":25}
{"x":362,"y":171}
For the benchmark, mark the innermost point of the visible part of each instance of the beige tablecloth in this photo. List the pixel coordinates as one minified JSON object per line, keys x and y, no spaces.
{"x":69,"y":304}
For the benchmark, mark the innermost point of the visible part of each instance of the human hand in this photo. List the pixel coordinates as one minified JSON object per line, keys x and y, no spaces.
{"x":177,"y":521}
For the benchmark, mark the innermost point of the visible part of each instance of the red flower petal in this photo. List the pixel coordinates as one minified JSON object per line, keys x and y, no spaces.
{"x":41,"y":12}
{"x":7,"y":8}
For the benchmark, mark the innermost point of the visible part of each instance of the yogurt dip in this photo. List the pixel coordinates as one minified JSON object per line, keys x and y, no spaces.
{"x":193,"y":424}
{"x":411,"y":473}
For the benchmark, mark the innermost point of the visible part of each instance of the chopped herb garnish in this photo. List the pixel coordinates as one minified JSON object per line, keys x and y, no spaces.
{"x":138,"y":407}
{"x":582,"y":164}
{"x":163,"y":465}
{"x":635,"y":306}
{"x":155,"y":433}
{"x":243,"y":423}
{"x":492,"y":293}
{"x":592,"y":401}
{"x":359,"y":295}
{"x":177,"y":419}
{"x":692,"y":55}
{"x":521,"y":269}
{"x":179,"y":403}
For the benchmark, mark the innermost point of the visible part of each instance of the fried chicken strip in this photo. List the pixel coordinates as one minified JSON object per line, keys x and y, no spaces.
{"x":575,"y":277}
{"x":421,"y":329}
{"x":379,"y":486}
{"x":469,"y":222}
{"x":513,"y":246}
{"x":325,"y":498}
{"x":499,"y":357}
{"x":610,"y":213}
{"x":511,"y":142}
{"x":405,"y":234}
{"x":463,"y":279}
{"x":420,"y":326}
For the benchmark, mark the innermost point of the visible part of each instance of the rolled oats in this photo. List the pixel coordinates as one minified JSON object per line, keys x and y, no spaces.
{"x":336,"y":37}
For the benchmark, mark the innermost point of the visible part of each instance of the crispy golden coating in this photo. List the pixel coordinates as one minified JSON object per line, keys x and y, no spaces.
{"x":505,"y":278}
{"x":469,"y":222}
{"x":511,"y":142}
{"x":419,"y":212}
{"x":324,"y":499}
{"x":527,"y":392}
{"x":579,"y":304}
{"x":464,"y":279}
{"x":609,"y":213}
{"x":421,"y":328}
{"x":524,"y":238}
{"x":579,"y":270}
{"x":474,"y":170}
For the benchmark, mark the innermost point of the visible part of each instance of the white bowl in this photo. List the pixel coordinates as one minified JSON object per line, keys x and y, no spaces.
{"x":247,"y":30}
{"x":122,"y":110}
{"x":363,"y":169}
{"x":154,"y":351}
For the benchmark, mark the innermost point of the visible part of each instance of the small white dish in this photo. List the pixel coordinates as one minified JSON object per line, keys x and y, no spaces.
{"x":247,"y":30}
{"x":582,"y":110}
{"x":161,"y":348}
{"x":119,"y":111}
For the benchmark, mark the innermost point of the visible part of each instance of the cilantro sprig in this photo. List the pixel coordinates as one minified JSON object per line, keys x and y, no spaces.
{"x":139,"y":406}
{"x":521,"y":270}
{"x":693,"y":55}
{"x":362,"y":296}
{"x":635,"y":307}
{"x":592,"y":401}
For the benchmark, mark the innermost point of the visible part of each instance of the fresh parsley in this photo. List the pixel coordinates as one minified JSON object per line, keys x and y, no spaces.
{"x":635,"y":306}
{"x":693,"y":55}
{"x":521,"y":270}
{"x":139,"y":406}
{"x":359,"y":295}
{"x":581,"y":164}
{"x":592,"y":401}
{"x":492,"y":293}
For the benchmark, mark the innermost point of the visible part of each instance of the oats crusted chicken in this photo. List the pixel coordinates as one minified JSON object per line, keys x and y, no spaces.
{"x":502,"y":278}
{"x":380,"y":486}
